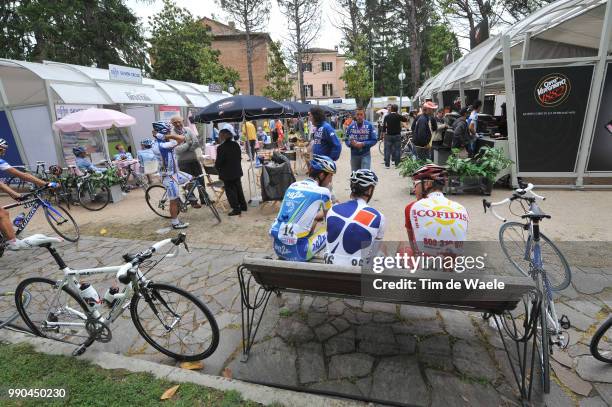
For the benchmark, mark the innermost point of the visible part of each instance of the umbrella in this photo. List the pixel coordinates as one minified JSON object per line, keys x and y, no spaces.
{"x":240,"y":108}
{"x":93,"y":119}
{"x":328,"y":110}
{"x":298,"y":109}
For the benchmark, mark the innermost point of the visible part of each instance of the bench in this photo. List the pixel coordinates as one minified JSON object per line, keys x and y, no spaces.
{"x":260,"y":277}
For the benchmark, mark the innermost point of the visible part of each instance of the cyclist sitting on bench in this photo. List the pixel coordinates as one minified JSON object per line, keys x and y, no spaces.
{"x":295,"y":234}
{"x":6,"y":226}
{"x":84,"y":163}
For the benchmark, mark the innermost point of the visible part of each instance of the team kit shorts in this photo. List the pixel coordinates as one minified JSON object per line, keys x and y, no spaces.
{"x":172,"y":182}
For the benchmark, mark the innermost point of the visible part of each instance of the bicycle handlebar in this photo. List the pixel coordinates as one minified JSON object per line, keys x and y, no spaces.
{"x":519,"y":193}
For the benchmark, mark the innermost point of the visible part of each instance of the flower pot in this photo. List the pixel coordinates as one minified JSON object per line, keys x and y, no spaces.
{"x":469,"y":185}
{"x":116,"y":193}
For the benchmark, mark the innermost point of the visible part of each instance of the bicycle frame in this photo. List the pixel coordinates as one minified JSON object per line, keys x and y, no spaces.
{"x":34,"y":204}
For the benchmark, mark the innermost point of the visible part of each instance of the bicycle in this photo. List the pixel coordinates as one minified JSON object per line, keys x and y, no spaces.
{"x":169,"y":318}
{"x":157,"y":198}
{"x":57,"y":217}
{"x":529,"y":261}
{"x":93,"y":192}
{"x":406,"y":148}
{"x":8,"y":315}
{"x":601,"y":343}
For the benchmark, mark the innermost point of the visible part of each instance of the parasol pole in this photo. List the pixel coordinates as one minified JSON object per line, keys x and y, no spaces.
{"x":105,"y":144}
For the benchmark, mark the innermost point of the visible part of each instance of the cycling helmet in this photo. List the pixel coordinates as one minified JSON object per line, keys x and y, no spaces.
{"x":363,"y":178}
{"x":147,"y":142}
{"x":162,"y":127}
{"x":78,"y":150}
{"x":3,"y":144}
{"x":322,"y":163}
{"x":430,"y":171}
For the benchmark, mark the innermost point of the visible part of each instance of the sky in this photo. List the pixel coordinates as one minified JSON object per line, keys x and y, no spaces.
{"x":329,"y":36}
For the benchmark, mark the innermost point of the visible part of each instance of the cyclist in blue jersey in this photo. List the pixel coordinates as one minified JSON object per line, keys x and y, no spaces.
{"x":171,"y":177}
{"x":6,"y":226}
{"x":84,"y":163}
{"x":360,"y":137}
{"x":354,"y":226}
{"x":295,"y":233}
{"x":324,"y":140}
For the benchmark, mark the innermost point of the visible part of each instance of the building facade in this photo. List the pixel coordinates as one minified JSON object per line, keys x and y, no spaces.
{"x":322,"y":71}
{"x":231,"y":43}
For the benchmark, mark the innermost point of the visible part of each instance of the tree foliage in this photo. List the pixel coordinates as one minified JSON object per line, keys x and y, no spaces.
{"x":181,"y":49}
{"x":357,"y":74}
{"x":280,"y":87}
{"x":442,"y":48}
{"x":85,"y":32}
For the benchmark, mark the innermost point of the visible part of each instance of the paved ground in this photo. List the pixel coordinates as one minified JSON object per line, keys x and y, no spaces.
{"x":405,"y":354}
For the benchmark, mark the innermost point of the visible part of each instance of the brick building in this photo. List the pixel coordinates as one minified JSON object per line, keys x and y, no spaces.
{"x":322,"y":71}
{"x":231,"y":42}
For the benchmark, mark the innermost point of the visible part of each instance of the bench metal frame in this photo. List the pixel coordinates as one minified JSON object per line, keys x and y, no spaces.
{"x":521,"y":333}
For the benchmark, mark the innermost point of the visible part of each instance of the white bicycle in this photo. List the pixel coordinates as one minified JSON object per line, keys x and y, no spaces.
{"x":170,"y":319}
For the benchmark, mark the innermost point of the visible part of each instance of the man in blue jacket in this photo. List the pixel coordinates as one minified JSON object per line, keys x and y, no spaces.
{"x":324,"y":140}
{"x":360,"y":137}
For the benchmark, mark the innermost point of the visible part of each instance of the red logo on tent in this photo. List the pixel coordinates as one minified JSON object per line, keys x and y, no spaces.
{"x":552,"y":90}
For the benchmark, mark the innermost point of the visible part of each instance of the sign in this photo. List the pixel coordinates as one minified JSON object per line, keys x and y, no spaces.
{"x":601,"y":149}
{"x":215,"y":87}
{"x":550,"y":109}
{"x":168,"y":112}
{"x":62,"y":111}
{"x":337,"y":101}
{"x":137,"y":96}
{"x":124,"y":73}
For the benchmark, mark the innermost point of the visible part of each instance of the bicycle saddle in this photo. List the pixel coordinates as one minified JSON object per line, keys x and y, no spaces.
{"x":536,"y":214}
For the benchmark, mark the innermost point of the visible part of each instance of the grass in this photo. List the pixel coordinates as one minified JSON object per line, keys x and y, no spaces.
{"x":90,"y":385}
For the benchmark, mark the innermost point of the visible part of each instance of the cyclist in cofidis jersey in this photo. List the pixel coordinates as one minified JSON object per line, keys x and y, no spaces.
{"x":296,"y":233}
{"x":435,"y":224}
{"x":6,"y":226}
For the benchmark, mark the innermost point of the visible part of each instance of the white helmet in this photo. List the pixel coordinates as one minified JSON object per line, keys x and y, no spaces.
{"x":364,"y":178}
{"x":3,"y":144}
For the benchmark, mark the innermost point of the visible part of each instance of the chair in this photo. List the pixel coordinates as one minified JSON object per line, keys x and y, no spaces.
{"x":217,"y":187}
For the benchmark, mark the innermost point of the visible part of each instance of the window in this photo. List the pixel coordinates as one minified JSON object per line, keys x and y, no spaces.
{"x":308,"y":91}
{"x":307,"y":67}
{"x":326,"y":66}
{"x":328,"y":89}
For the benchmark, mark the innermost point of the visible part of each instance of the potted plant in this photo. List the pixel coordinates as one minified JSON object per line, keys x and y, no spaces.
{"x":114,"y":182}
{"x":476,"y":174}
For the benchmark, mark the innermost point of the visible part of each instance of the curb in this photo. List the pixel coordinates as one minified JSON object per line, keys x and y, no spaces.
{"x":249,"y":391}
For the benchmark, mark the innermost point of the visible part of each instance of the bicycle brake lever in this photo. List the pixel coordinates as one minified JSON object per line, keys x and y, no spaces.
{"x":186,"y":247}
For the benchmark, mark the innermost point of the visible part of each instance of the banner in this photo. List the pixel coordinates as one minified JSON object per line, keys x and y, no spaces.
{"x":601,"y":149}
{"x":550,"y":108}
{"x":168,"y":112}
{"x":124,"y":73}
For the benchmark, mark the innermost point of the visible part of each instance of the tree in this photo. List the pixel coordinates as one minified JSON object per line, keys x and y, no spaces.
{"x":280,"y":87}
{"x":181,"y":49}
{"x":349,"y":20}
{"x":441,"y":43}
{"x":86,"y":32}
{"x":251,"y":16}
{"x":357,"y":74}
{"x":304,"y":22}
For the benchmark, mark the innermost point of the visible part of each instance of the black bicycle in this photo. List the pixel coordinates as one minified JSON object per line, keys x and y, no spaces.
{"x":157,"y":198}
{"x":601,"y":343}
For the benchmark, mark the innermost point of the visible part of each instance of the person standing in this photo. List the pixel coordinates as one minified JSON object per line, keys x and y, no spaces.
{"x":461,"y":135}
{"x":248,"y":129}
{"x":324,"y":139}
{"x":392,"y":133}
{"x":360,"y":137}
{"x":423,"y":132}
{"x":472,"y":122}
{"x":187,"y":158}
{"x":229,"y":166}
{"x":278,"y":126}
{"x":441,"y":126}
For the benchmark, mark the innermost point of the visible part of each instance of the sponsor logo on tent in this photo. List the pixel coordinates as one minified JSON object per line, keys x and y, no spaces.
{"x":552,"y":90}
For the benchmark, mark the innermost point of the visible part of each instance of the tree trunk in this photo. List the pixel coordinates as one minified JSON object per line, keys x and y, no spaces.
{"x":249,"y":48}
{"x":300,"y":55}
{"x":415,"y":46}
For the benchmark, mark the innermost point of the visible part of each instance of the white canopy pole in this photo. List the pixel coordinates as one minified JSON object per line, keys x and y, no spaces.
{"x":462,"y":94}
{"x":105,"y":144}
{"x":510,"y":114}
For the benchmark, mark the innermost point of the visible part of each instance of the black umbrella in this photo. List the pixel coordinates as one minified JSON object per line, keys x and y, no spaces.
{"x":242,"y":107}
{"x":299,"y":109}
{"x":328,"y":110}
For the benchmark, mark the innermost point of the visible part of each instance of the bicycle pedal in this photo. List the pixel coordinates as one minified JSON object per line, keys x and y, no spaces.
{"x":564,"y":322}
{"x":79,"y":351}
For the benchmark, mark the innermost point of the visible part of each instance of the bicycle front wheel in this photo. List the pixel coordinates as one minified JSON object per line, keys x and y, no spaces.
{"x":175,"y":322}
{"x":94,"y":195}
{"x":158,"y":201}
{"x":62,"y":223}
{"x":542,"y":339}
{"x":513,"y":237}
{"x":52,"y":313}
{"x":601,"y":344}
{"x":381,"y":147}
{"x":206,"y":201}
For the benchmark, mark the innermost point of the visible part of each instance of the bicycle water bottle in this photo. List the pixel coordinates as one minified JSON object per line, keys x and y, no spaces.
{"x":89,"y":294}
{"x":109,"y":296}
{"x":19,"y":219}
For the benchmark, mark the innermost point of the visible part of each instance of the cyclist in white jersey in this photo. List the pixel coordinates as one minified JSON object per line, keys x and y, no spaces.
{"x":354,"y":226}
{"x":295,"y":234}
{"x":436,"y":225}
{"x":6,"y":226}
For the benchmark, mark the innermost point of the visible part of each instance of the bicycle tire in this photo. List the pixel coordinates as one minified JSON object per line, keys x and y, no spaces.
{"x":23,"y":312}
{"x":2,"y":244}
{"x":381,"y":147}
{"x":155,"y":207}
{"x":155,"y":289}
{"x":209,"y":203}
{"x":544,"y":340}
{"x":66,"y":218}
{"x":85,"y":190}
{"x":599,"y":335}
{"x":557,"y":283}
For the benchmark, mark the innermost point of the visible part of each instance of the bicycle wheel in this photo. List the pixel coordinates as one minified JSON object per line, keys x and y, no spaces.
{"x":158,"y":201}
{"x":94,"y":195}
{"x":174,"y":322}
{"x":381,"y":147}
{"x":206,"y":201}
{"x":513,"y":239}
{"x":47,"y":306}
{"x":62,"y":223}
{"x":601,"y":344}
{"x":2,"y":244}
{"x":8,"y":312}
